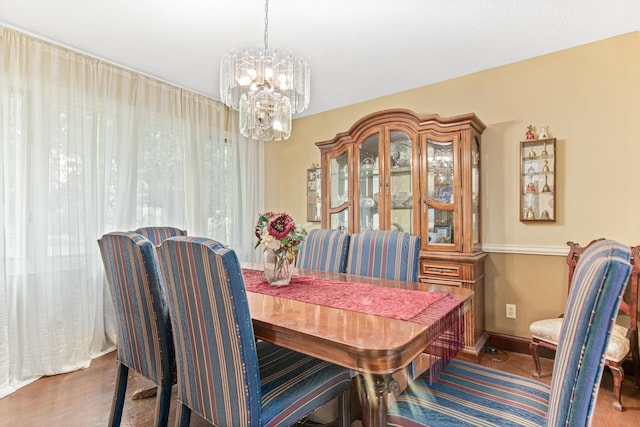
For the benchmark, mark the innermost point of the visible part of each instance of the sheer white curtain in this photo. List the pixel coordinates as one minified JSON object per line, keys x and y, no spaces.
{"x":248,"y":180}
{"x":87,"y":148}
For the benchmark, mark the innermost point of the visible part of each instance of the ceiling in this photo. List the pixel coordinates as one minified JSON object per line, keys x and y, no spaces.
{"x":357,"y":49}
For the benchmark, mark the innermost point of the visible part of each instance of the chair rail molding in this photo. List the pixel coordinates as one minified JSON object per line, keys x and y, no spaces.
{"x":525,"y":249}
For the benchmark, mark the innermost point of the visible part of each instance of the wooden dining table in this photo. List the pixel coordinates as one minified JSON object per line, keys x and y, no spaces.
{"x":372,"y":346}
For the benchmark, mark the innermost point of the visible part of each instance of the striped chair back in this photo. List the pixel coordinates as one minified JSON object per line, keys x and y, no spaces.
{"x":145,"y":338}
{"x":158,"y":235}
{"x":224,"y":375}
{"x":384,"y":254}
{"x":324,"y":250}
{"x":469,"y":394}
{"x":218,"y":375}
{"x":596,"y":291}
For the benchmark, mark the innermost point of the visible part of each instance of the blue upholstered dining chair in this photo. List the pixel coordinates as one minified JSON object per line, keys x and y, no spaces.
{"x":467,"y":394}
{"x":384,"y":254}
{"x":623,"y":341}
{"x":324,"y":250}
{"x":158,"y":234}
{"x":145,"y":338}
{"x":224,"y":375}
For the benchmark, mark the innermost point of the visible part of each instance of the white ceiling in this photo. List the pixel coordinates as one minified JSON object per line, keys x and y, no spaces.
{"x":357,"y":49}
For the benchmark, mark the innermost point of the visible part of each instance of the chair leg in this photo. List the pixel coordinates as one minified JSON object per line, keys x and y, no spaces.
{"x":635,"y":357}
{"x":533,"y":349}
{"x":618,"y":377}
{"x":122,"y":374}
{"x":344,"y":409}
{"x":183,"y":415}
{"x":162,"y":406}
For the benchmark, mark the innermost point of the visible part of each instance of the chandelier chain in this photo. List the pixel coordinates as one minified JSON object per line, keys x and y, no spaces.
{"x":266,"y":25}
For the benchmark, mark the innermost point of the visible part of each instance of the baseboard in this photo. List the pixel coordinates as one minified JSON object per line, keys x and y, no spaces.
{"x":521,"y":345}
{"x":516,"y":344}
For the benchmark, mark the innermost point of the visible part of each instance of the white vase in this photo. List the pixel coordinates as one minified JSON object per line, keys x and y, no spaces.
{"x":277,"y":267}
{"x":543,"y":133}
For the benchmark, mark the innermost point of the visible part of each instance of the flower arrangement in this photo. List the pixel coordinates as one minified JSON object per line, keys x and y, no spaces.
{"x":280,"y":238}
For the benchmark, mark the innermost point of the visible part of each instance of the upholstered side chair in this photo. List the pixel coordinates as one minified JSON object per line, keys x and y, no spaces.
{"x":624,"y":340}
{"x":467,"y":394}
{"x":224,"y":375}
{"x":384,"y":254}
{"x":145,"y":338}
{"x":324,"y":250}
{"x":158,"y":234}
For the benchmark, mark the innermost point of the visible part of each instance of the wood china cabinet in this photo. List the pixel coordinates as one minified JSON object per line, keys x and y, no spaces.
{"x":397,"y":170}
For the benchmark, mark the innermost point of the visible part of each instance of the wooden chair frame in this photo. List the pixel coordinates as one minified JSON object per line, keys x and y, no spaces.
{"x":628,"y":306}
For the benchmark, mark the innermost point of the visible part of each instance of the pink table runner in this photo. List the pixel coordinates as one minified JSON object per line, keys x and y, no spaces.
{"x":403,"y":304}
{"x":426,"y":308}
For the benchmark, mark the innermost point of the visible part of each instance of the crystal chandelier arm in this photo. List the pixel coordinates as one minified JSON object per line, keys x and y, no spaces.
{"x":266,"y":25}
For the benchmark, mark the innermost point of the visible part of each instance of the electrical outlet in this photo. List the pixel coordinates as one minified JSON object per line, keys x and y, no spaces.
{"x":511,"y":311}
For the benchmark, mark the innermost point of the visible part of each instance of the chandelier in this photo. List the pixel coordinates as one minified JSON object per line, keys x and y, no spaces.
{"x":266,"y":85}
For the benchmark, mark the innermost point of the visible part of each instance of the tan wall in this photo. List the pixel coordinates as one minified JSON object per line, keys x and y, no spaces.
{"x":588,"y":97}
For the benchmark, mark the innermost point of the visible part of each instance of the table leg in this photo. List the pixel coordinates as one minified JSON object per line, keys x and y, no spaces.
{"x":373,"y":397}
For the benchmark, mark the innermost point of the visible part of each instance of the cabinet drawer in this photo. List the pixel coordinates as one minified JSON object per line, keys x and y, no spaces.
{"x":440,"y":270}
{"x":439,"y":285}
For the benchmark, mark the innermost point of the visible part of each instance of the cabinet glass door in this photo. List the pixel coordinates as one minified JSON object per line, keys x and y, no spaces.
{"x":400,"y":183}
{"x":441,"y":193}
{"x":340,"y":220}
{"x":475,"y":190}
{"x":339,"y":192}
{"x":369,"y":183}
{"x":314,"y":194}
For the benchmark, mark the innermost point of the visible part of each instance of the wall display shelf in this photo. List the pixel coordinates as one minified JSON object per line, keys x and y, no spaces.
{"x":314,"y":176}
{"x":538,"y":180}
{"x":396,"y":170}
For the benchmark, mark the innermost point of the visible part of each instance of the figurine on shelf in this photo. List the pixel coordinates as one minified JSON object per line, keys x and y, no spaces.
{"x":531,"y":188}
{"x":543,"y":133}
{"x":529,"y":134}
{"x":545,"y":168}
{"x":395,"y":158}
{"x":545,"y":215}
{"x":530,"y":214}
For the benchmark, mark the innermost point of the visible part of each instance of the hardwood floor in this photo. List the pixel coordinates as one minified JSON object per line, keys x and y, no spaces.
{"x":83,"y":398}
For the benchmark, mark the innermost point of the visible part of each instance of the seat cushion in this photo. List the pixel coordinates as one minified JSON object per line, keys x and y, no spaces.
{"x":293,"y":385}
{"x":548,"y":330}
{"x":467,"y":394}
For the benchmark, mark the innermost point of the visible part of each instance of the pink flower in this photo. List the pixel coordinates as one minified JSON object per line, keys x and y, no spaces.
{"x":280,"y":225}
{"x":278,"y":232}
